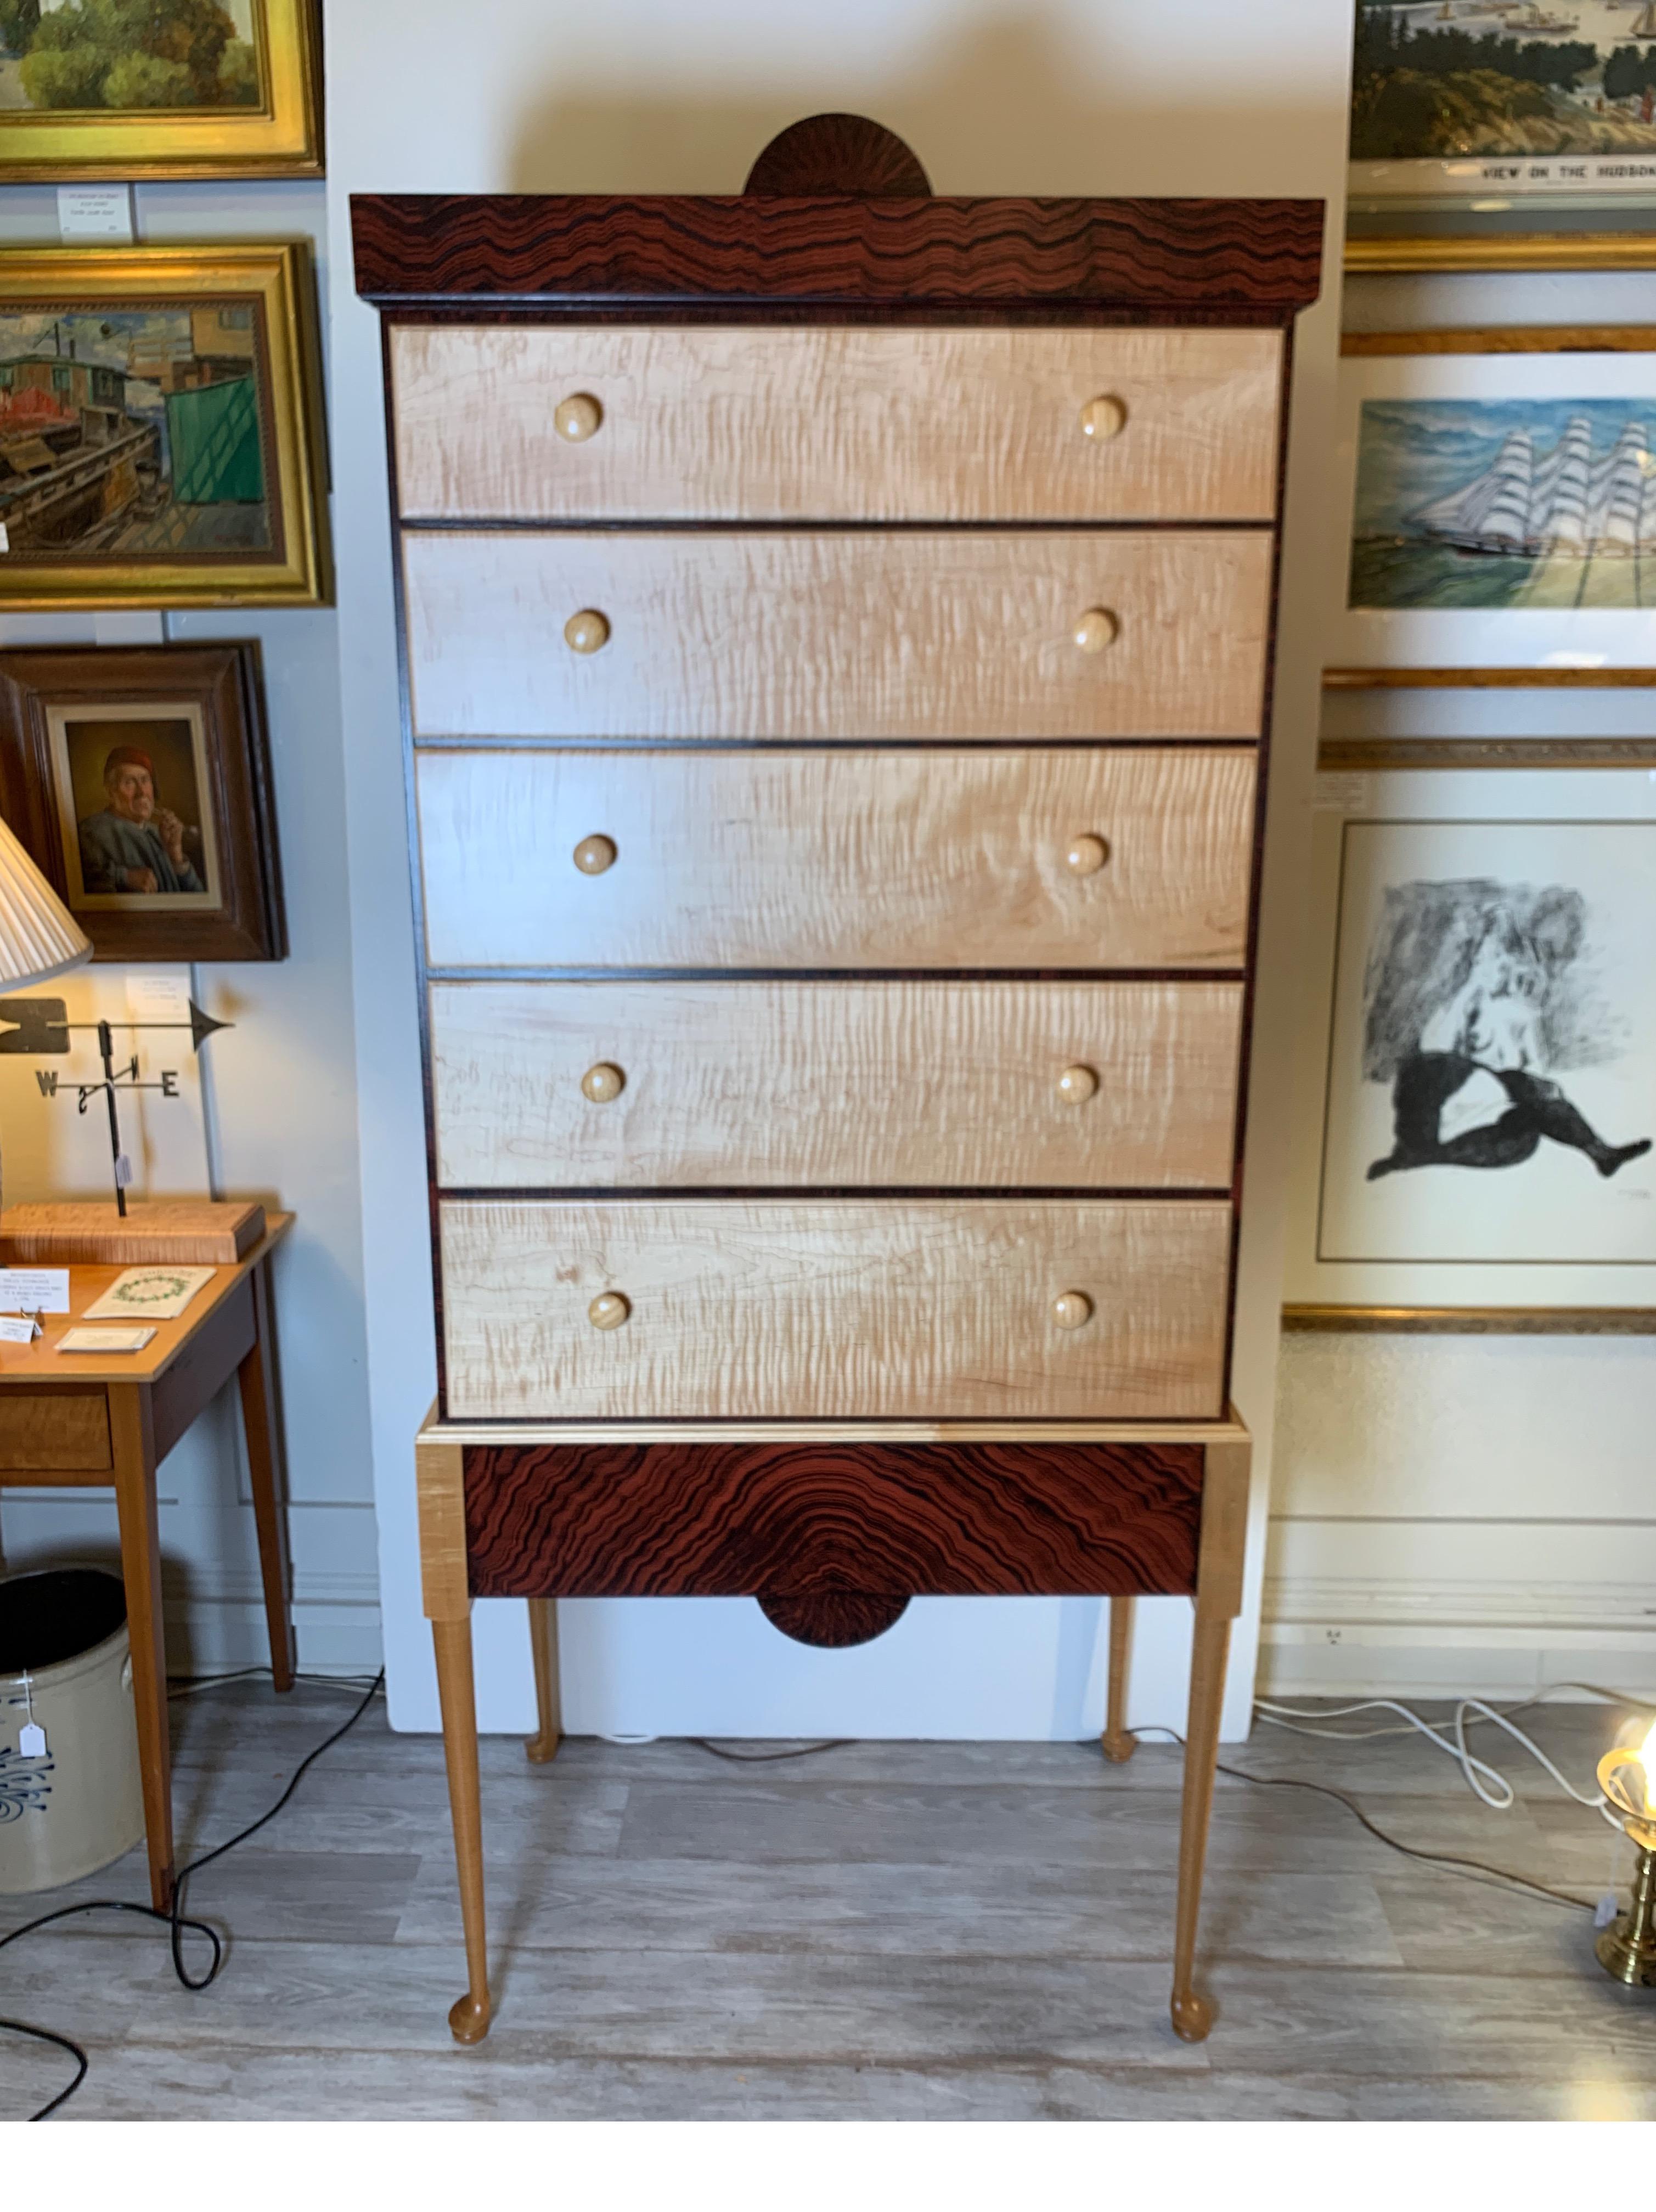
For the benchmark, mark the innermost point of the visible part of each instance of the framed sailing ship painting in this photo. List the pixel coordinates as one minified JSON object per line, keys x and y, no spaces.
{"x":161,"y":427}
{"x":170,"y":89}
{"x":1502,"y":497}
{"x":1536,"y":103}
{"x":1477,"y":1107}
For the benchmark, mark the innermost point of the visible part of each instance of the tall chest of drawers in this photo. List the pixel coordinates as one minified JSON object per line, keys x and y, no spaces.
{"x":837,"y":627}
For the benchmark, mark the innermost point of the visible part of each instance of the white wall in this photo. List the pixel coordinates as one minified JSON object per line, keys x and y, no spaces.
{"x":1467,"y":1513}
{"x":1188,"y":97}
{"x":280,"y":1090}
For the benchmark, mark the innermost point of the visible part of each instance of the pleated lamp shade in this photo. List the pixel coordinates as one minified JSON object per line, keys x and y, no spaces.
{"x":39,"y":936}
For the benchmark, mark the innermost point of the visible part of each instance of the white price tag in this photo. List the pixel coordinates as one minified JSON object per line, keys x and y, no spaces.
{"x":95,"y":211}
{"x":35,"y":1289}
{"x":158,"y":996}
{"x":1334,"y":794}
{"x":32,"y":1740}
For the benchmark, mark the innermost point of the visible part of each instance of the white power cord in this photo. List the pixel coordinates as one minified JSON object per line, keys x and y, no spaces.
{"x":1486,"y":1783}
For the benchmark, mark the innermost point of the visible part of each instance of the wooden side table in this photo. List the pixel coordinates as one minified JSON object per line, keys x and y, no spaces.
{"x":73,"y":1421}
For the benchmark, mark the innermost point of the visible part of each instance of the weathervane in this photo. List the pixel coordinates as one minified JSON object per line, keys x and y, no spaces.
{"x":42,"y":1026}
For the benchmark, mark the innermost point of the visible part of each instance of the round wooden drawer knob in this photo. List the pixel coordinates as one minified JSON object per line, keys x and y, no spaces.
{"x":1084,"y":857}
{"x":576,"y":418}
{"x":594,"y":855}
{"x":1072,"y":1309}
{"x":609,"y":1309}
{"x":1096,"y":629}
{"x":603,"y":1083}
{"x":1103,"y":418}
{"x":588,"y":632}
{"x":1076,"y":1085}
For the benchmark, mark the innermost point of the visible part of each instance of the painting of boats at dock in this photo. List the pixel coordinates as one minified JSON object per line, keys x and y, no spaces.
{"x":132,"y":433}
{"x":159,"y":432}
{"x":1522,"y":502}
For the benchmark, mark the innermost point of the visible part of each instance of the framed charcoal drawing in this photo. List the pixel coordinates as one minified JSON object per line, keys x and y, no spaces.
{"x":170,"y":89}
{"x":1503,"y":497}
{"x":1478,"y":1103}
{"x":139,"y":779}
{"x":1548,"y":104}
{"x":161,"y":427}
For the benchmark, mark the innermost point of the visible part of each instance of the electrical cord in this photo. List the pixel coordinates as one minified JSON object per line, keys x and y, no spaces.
{"x":176,"y":1921}
{"x":1485,"y":1782}
{"x":1474,"y":1869}
{"x":764,"y":1758}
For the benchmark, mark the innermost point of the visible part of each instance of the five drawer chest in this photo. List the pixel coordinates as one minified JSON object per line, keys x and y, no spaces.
{"x":837,"y":629}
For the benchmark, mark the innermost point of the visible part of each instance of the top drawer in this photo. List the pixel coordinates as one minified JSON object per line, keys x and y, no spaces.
{"x":824,"y":424}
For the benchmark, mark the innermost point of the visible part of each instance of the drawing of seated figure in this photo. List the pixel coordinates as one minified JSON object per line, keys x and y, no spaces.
{"x":1473,"y":991}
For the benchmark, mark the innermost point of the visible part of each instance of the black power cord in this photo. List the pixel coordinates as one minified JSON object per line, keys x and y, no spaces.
{"x":175,"y":1921}
{"x":1476,"y":1869}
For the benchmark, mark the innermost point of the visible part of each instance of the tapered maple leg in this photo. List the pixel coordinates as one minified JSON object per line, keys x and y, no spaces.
{"x":543,"y":1644}
{"x":1117,"y":1744}
{"x":468,"y":2017}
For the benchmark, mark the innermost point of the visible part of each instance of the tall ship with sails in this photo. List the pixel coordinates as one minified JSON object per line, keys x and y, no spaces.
{"x":1560,"y":502}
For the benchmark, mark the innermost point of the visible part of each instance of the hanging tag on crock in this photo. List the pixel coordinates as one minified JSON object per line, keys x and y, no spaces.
{"x":32,"y":1740}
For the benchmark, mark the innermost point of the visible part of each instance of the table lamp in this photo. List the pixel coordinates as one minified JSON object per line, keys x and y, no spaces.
{"x":39,"y":936}
{"x":1627,"y":1947}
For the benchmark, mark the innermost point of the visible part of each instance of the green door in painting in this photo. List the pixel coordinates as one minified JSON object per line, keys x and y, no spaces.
{"x":213,"y":433}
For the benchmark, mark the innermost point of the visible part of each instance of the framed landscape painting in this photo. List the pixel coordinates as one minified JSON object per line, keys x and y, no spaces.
{"x":137,"y":89}
{"x":161,"y":427}
{"x":1493,"y":100}
{"x":1503,"y":497}
{"x":1478,"y":1111}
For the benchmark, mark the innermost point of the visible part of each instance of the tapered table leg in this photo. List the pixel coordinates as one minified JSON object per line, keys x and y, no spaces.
{"x":1117,"y":1744}
{"x":543,"y":1644}
{"x":256,"y":1376}
{"x":133,"y":1438}
{"x":1193,"y":2015}
{"x":468,"y":2017}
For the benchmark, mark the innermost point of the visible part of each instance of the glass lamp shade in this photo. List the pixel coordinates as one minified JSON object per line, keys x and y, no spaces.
{"x":39,"y":936}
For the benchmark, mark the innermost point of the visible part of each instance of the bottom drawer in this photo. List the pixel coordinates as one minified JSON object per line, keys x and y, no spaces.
{"x":744,"y":1309}
{"x":811,"y":1520}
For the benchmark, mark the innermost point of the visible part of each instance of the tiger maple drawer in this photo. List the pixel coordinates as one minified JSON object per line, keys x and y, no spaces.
{"x":59,"y":1431}
{"x":1126,"y":857}
{"x":663,"y":1084}
{"x":783,"y":1521}
{"x":974,"y":634}
{"x":839,"y":1308}
{"x":836,"y":424}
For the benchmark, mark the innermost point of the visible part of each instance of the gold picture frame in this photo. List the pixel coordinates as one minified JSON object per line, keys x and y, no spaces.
{"x":276,"y":133}
{"x":1460,"y":253}
{"x":1380,"y":755}
{"x":161,"y":439}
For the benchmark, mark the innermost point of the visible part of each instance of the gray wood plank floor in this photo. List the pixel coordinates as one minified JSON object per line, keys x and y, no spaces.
{"x":884,"y":1931}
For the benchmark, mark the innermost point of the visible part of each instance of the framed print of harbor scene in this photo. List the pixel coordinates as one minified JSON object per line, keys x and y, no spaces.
{"x":139,"y":779}
{"x":1503,"y":497}
{"x":1478,"y":1106}
{"x":161,"y":429}
{"x":1503,"y":100}
{"x":168,"y":88}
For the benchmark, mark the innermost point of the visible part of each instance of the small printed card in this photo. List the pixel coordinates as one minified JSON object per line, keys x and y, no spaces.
{"x":35,"y":1289}
{"x":156,"y":1294}
{"x":104,"y":1339}
{"x":19,"y":1328}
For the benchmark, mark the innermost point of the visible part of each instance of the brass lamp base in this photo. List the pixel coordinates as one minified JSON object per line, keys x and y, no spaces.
{"x":1627,"y":1949}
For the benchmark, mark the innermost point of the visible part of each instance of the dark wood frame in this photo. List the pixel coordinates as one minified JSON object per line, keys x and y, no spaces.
{"x":224,"y":682}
